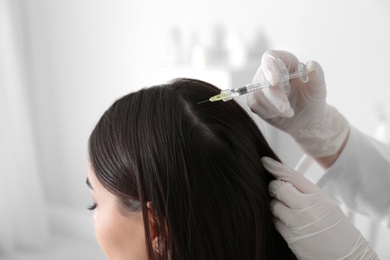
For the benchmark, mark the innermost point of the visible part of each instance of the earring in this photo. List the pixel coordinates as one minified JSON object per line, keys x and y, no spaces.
{"x":157,"y":245}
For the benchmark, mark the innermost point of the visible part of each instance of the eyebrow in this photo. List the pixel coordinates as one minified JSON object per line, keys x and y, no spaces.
{"x":89,"y":184}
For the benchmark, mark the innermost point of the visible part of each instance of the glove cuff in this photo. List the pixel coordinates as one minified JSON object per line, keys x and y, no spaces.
{"x":325,"y":136}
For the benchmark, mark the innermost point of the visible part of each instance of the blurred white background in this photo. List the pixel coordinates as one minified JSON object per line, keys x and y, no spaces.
{"x":63,"y":62}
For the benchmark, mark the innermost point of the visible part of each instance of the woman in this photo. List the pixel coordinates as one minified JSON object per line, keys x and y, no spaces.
{"x":174,"y":179}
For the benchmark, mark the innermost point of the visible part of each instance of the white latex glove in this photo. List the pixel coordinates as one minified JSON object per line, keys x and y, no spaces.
{"x":312,"y":223}
{"x":318,"y":127}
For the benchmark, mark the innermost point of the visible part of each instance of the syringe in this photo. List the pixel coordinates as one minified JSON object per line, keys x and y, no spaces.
{"x":285,"y":76}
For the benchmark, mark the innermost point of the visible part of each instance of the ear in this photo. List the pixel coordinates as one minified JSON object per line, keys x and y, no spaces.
{"x":154,"y":227}
{"x":153,"y":223}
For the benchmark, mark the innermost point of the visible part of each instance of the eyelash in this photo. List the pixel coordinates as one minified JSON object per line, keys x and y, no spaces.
{"x":92,"y":207}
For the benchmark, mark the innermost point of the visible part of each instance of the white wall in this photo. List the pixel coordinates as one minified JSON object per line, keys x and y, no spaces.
{"x":86,"y":53}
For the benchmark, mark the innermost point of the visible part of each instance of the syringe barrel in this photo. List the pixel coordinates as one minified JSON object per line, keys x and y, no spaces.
{"x":229,"y":94}
{"x":253,"y":87}
{"x":241,"y":90}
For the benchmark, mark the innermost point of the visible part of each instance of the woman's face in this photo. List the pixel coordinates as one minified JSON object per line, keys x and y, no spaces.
{"x":120,"y":235}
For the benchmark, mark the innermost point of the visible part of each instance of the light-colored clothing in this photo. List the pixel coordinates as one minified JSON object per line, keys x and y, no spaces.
{"x":360,"y":178}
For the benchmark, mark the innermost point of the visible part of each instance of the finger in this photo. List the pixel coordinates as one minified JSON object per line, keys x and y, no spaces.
{"x":288,"y":59}
{"x":315,"y":88}
{"x":287,"y":233}
{"x":277,"y":93}
{"x":269,"y":102}
{"x":290,"y":235}
{"x":287,"y":193}
{"x":266,"y":107}
{"x":278,"y":98}
{"x":271,"y":69}
{"x":273,"y":99}
{"x":291,"y":219}
{"x":280,"y":210}
{"x":283,"y":230}
{"x":299,"y":221}
{"x":285,"y":173}
{"x":315,"y":75}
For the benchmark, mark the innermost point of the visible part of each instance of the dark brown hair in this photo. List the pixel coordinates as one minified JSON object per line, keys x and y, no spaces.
{"x":199,"y":165}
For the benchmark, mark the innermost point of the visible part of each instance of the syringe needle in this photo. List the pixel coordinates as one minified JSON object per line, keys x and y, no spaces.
{"x":203,"y":101}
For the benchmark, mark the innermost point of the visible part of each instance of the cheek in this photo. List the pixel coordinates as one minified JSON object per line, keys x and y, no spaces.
{"x":103,"y":224}
{"x":120,"y":237}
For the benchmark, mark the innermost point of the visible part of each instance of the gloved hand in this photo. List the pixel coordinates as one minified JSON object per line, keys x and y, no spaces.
{"x":312,"y":223}
{"x":304,"y":114}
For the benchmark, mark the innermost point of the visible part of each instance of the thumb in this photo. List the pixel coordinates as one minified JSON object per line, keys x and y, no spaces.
{"x":269,"y":102}
{"x":276,"y":94}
